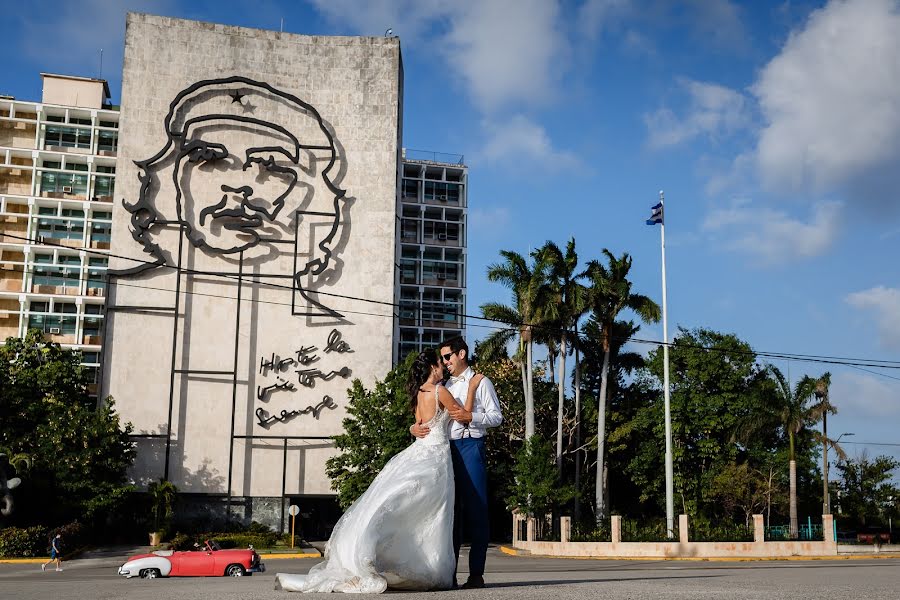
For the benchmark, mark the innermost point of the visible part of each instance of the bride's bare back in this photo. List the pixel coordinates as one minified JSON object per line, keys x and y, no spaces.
{"x":425,"y":405}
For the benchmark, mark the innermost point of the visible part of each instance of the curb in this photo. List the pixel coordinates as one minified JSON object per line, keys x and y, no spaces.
{"x":515,"y":552}
{"x":286,"y":555}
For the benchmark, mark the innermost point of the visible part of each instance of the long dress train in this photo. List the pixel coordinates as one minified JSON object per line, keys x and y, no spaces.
{"x":399,"y":533}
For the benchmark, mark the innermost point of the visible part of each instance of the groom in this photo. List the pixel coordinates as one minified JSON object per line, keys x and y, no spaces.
{"x":467,"y":436}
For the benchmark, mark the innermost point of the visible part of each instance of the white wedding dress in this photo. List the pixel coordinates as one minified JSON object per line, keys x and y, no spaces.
{"x":399,"y":533}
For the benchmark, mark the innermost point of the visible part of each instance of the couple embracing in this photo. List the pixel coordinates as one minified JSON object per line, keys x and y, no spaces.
{"x":405,"y":531}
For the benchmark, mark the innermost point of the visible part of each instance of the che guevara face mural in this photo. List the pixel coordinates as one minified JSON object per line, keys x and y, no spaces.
{"x":242,"y":162}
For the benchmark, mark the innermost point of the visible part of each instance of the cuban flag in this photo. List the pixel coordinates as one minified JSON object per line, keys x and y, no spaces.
{"x":656,"y":216}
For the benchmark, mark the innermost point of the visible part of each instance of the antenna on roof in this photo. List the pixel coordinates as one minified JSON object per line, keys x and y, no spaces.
{"x":389,"y":32}
{"x":282,"y":24}
{"x":100,"y":76}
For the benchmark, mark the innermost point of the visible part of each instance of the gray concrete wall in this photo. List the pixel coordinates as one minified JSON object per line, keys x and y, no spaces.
{"x":351,"y":90}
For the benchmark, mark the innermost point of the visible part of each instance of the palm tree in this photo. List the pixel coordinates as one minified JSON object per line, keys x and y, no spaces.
{"x":529,"y":288}
{"x":567,"y":302}
{"x":162,"y":498}
{"x":796,"y":411}
{"x":610,"y":294}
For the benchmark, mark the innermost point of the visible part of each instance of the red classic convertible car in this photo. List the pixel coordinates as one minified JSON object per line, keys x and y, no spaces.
{"x":208,"y":560}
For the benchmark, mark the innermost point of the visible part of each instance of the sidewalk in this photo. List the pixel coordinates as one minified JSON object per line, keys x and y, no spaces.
{"x":118,"y":555}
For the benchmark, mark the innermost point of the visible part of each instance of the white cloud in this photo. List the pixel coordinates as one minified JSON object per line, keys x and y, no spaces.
{"x":860,"y":396}
{"x":508,"y":55}
{"x":506,"y":52}
{"x":772,"y":236}
{"x":831,"y":100}
{"x":885,"y":303}
{"x":713,"y":111}
{"x":527,"y":143}
{"x":509,"y":52}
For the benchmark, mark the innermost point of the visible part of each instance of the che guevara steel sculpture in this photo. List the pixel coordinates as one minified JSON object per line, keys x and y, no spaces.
{"x":236,"y":183}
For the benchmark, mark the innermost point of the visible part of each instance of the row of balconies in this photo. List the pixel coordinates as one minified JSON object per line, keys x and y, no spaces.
{"x":15,"y":285}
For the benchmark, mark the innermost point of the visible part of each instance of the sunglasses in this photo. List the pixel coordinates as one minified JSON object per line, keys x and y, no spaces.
{"x":447,"y":356}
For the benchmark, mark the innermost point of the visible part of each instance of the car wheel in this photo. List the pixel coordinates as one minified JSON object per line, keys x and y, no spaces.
{"x":234,"y":571}
{"x":149,"y":573}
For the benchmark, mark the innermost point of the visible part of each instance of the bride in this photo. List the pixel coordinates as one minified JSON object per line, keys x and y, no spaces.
{"x":399,"y":533}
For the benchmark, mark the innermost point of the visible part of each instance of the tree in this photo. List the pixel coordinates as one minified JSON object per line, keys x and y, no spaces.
{"x":375,"y":429}
{"x":610,"y":294}
{"x":528,"y":286}
{"x":566,"y":303}
{"x":742,"y":489}
{"x":162,"y":503}
{"x":716,"y":386}
{"x":867,"y":492}
{"x":537,"y":488}
{"x":796,"y":411}
{"x":79,"y":450}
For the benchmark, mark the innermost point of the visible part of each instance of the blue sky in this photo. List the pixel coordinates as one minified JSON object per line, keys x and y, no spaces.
{"x":773,"y":127}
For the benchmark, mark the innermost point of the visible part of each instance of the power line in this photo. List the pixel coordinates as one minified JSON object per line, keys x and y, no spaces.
{"x":873,"y":443}
{"x":835,"y":360}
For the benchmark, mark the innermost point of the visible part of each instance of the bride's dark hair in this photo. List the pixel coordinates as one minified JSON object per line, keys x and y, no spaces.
{"x":419,"y":374}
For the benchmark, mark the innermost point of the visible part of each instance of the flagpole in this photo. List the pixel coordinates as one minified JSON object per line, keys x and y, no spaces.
{"x":670,"y":500}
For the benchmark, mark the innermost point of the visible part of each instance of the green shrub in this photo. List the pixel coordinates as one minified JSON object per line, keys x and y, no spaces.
{"x":74,"y":536}
{"x":242,"y":540}
{"x":182,"y":541}
{"x":19,"y":542}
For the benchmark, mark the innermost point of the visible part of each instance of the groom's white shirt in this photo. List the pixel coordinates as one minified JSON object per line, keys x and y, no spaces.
{"x":485,"y":412}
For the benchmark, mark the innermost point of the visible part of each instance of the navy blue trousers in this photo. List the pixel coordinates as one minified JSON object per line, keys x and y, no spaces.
{"x":471,"y":509}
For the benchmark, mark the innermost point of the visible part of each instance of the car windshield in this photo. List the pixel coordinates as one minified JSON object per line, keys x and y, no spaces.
{"x":214,"y":545}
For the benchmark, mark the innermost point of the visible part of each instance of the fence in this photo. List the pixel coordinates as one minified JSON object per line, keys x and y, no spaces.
{"x":650,"y":539}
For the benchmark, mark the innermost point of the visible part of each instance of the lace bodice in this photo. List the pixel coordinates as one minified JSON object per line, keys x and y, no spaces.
{"x":439,"y":424}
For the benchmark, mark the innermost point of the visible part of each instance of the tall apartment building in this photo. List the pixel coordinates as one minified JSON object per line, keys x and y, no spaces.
{"x":57,"y":180}
{"x":432,"y":250}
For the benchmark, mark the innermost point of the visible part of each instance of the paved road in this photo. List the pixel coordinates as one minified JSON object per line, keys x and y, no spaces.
{"x":513,"y":577}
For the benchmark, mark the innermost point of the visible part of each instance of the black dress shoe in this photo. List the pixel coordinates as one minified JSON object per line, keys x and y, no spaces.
{"x":474,"y":582}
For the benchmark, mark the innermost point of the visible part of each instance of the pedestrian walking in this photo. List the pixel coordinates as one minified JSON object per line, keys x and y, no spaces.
{"x":55,"y":555}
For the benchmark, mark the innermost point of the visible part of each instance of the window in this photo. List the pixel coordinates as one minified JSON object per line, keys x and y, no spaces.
{"x":93,"y":309}
{"x":410,"y":188}
{"x":91,"y":326}
{"x":407,"y":271}
{"x":104,"y":169}
{"x":67,"y":137}
{"x":66,"y":308}
{"x":108,"y":141}
{"x":104,"y":186}
{"x":96,"y":276}
{"x":409,"y":230}
{"x":99,"y":215}
{"x":100,"y":232}
{"x":112,"y":124}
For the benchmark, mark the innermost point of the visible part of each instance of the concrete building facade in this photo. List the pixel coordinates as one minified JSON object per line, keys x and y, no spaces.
{"x":433,"y":204}
{"x":57,"y":182}
{"x":254,"y":235}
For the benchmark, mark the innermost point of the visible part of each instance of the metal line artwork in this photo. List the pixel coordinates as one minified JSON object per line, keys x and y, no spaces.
{"x":266,"y":420}
{"x":306,"y":377}
{"x":7,"y":484}
{"x":233,"y":178}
